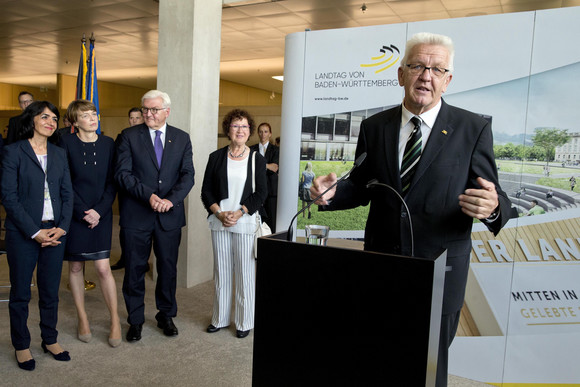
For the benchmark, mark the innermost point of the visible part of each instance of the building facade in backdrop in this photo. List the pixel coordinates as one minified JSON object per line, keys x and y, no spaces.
{"x":569,"y":153}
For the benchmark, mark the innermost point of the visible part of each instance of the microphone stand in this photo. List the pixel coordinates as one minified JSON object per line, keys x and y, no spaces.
{"x":357,"y":162}
{"x":374,"y":183}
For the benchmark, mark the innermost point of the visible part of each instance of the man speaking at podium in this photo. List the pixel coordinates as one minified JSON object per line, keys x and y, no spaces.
{"x":440,"y":159}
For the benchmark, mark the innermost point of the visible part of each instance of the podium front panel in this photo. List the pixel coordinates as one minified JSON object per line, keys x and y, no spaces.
{"x":334,"y":316}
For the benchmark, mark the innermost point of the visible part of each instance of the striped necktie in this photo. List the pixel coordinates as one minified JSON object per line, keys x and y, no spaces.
{"x":411,"y":155}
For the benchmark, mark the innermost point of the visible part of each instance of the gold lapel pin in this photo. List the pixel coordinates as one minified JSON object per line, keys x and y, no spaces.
{"x":444,"y":132}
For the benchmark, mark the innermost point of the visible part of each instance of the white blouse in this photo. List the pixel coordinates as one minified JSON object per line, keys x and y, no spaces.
{"x":47,"y":212}
{"x":237,"y":175}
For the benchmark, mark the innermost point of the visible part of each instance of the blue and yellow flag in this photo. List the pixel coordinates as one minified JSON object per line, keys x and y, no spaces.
{"x":87,"y":76}
{"x":81,"y":92}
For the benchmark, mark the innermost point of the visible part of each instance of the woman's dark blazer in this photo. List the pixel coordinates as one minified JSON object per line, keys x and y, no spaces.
{"x":22,"y":187}
{"x":215,"y":181}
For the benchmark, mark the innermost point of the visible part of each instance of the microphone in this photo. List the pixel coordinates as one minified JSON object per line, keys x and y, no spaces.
{"x":375,"y":183}
{"x":359,"y":160}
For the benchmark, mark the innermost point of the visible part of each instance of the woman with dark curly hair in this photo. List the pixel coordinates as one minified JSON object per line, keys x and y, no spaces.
{"x":38,"y":197}
{"x":232,"y":203}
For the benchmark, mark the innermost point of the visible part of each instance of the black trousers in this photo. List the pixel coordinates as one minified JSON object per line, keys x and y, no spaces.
{"x":449,"y":323}
{"x":24,"y":254}
{"x":270,"y":207}
{"x":138,"y":244}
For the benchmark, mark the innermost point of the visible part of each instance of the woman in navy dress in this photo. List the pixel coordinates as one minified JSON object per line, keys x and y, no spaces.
{"x":90,"y":157}
{"x":38,"y":198}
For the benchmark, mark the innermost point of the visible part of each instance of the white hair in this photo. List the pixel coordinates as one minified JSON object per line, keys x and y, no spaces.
{"x":432,"y":39}
{"x":157,"y":94}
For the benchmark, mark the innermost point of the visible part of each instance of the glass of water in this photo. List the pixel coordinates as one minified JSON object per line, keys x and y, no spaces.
{"x":316,"y":235}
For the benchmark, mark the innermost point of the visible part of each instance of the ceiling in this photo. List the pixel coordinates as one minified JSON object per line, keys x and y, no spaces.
{"x":40,"y":38}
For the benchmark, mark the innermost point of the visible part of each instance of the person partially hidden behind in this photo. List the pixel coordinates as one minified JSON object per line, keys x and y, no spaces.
{"x":24,"y":99}
{"x":448,"y":176}
{"x":154,"y":172}
{"x":135,"y":118}
{"x":272,"y":155}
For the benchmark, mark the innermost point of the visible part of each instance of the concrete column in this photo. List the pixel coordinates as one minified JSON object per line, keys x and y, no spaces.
{"x":188,"y":70}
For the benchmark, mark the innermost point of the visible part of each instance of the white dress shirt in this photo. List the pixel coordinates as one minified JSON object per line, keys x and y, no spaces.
{"x":427,"y":121}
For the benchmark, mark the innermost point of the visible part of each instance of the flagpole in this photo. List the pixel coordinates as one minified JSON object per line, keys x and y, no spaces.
{"x":84,"y":82}
{"x":82,"y":73}
{"x":93,"y":90}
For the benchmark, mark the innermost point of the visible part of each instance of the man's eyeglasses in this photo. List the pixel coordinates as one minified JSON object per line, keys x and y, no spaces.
{"x":153,"y":111}
{"x":417,"y":69}
{"x":236,"y":127}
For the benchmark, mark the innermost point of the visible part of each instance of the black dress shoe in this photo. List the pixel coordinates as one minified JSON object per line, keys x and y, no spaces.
{"x":212,"y":329}
{"x":242,"y":334}
{"x":166,"y":323}
{"x":27,"y":365}
{"x":119,"y":265}
{"x":134,"y":333}
{"x":62,"y":356}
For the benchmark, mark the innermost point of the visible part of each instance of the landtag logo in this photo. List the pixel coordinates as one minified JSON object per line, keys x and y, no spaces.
{"x":389,"y":56}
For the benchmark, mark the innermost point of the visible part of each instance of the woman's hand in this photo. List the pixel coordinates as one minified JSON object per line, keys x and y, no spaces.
{"x":49,"y":236}
{"x":229,"y":218}
{"x":92,"y":217}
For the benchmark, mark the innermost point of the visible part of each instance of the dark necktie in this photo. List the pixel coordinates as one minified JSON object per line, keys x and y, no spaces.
{"x":158,"y":147}
{"x":411,"y":155}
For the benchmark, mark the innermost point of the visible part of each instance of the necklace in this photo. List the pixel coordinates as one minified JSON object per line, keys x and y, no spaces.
{"x":238,"y":156}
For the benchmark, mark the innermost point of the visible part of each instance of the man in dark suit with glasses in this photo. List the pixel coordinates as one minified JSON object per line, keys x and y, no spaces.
{"x":155,"y":173}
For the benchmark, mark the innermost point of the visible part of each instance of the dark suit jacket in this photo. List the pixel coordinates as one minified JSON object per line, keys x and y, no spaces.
{"x":459,"y":149}
{"x":272,"y":156}
{"x":138,"y":177}
{"x":12,"y":134}
{"x":215,"y":181}
{"x":22,"y":184}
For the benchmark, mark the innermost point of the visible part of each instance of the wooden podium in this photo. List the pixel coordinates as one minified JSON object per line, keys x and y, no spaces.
{"x":329,"y":316}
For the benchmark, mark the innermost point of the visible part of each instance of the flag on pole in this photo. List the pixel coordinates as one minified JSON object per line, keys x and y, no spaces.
{"x":93,"y":90}
{"x":87,"y":76}
{"x":81,"y":91}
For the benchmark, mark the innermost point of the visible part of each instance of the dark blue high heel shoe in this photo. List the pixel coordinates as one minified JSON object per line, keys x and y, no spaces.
{"x":63,"y":356}
{"x":27,"y":365}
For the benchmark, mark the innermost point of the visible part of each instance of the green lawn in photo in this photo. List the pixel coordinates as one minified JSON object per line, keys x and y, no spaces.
{"x":559,"y":176}
{"x":353,"y":219}
{"x":560,"y":183}
{"x":534,"y":167}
